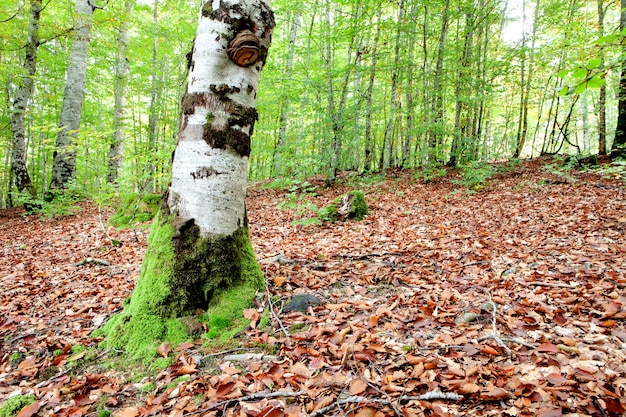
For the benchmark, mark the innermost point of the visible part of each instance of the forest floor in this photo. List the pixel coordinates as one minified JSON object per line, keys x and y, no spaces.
{"x":509,"y":301}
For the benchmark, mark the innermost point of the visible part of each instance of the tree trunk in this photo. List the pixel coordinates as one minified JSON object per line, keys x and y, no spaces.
{"x":284,"y":114}
{"x":24,"y":92}
{"x":619,"y":144}
{"x":64,"y":165}
{"x":199,"y":254}
{"x":116,"y":152}
{"x":153,"y":116}
{"x":368,"y":98}
{"x":602,"y":99}
{"x":438,"y":113}
{"x":394,"y":88}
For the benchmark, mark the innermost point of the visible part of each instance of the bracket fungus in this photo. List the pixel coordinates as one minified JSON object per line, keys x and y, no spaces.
{"x":243,"y":49}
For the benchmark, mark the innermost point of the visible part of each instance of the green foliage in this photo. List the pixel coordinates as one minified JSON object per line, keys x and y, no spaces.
{"x":135,"y":209}
{"x":475,"y":175}
{"x":615,"y":170}
{"x":328,"y":213}
{"x":63,"y":204}
{"x":13,"y":405}
{"x":431,"y":173}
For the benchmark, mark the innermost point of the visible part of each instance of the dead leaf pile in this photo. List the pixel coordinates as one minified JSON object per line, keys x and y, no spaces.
{"x":508,"y":302}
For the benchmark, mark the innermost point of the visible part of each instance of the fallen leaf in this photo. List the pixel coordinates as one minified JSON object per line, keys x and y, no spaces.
{"x":494,"y":394}
{"x":548,"y":348}
{"x":164,"y":350}
{"x":29,"y":410}
{"x":357,"y":386}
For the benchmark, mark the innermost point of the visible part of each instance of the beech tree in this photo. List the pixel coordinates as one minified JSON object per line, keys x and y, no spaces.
{"x":199,"y":253}
{"x":619,"y":144}
{"x":24,"y":93}
{"x":64,"y":165}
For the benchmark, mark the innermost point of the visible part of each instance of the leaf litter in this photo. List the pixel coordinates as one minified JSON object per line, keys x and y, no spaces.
{"x":507,"y":302}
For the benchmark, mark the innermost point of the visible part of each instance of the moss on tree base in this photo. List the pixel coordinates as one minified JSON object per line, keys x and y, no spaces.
{"x":182,"y":274}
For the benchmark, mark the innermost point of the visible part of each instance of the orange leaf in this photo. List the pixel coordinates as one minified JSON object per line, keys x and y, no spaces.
{"x":490,"y":350}
{"x":468,"y":388}
{"x":127,"y":412}
{"x":608,"y":323}
{"x":29,"y":410}
{"x":357,"y":386}
{"x":251,"y":314}
{"x":495,"y":394}
{"x":279,"y":281}
{"x":164,"y":349}
{"x":365,"y":412}
{"x":547,"y":347}
{"x":549,"y":412}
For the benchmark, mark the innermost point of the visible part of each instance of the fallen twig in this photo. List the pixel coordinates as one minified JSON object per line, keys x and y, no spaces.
{"x":432,"y":395}
{"x":251,"y":397}
{"x":547,"y":284}
{"x":93,"y":261}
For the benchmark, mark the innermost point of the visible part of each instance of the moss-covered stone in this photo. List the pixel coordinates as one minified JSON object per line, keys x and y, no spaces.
{"x":182,"y":273}
{"x":351,"y":205}
{"x":135,"y":209}
{"x":358,"y":206}
{"x":14,"y":405}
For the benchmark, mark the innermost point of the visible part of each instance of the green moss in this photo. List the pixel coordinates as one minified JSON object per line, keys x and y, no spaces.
{"x":182,"y":273}
{"x":13,"y":405}
{"x":135,"y":209}
{"x":358,"y":205}
{"x":149,"y":387}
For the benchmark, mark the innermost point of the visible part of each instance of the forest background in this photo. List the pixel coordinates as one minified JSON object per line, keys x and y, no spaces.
{"x":349,"y":85}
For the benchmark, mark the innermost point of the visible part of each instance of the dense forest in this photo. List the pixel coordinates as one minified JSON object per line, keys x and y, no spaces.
{"x":348,"y":85}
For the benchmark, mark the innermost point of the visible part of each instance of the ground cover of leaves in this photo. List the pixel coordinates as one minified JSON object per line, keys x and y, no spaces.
{"x":506,"y":302}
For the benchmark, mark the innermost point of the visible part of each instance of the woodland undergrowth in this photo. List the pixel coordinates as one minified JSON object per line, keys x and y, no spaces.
{"x":504,"y":298}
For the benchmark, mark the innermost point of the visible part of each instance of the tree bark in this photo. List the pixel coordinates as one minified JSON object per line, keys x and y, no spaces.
{"x":279,"y":154}
{"x":394,"y":88}
{"x":199,"y":255}
{"x":116,"y":152}
{"x":602,"y":98}
{"x":153,"y":113}
{"x":368,"y":97}
{"x":24,"y":93}
{"x":619,"y":144}
{"x":64,"y":165}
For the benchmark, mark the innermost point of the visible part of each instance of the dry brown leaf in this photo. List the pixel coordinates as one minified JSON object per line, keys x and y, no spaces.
{"x":29,"y":410}
{"x":495,"y":394}
{"x":357,"y":386}
{"x":127,"y":412}
{"x":468,"y":388}
{"x":164,"y":349}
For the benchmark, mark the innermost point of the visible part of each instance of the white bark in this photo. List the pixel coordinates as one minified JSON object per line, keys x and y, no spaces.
{"x":116,"y":153}
{"x":209,"y":183}
{"x":64,"y":167}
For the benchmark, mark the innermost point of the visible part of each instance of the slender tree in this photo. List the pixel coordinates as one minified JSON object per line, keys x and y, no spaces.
{"x":199,"y":253}
{"x":24,"y":93}
{"x":601,"y":109}
{"x":64,"y":165}
{"x":116,"y":152}
{"x":619,"y":144}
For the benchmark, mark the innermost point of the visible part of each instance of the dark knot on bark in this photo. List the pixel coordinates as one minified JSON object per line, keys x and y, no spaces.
{"x":243,"y":49}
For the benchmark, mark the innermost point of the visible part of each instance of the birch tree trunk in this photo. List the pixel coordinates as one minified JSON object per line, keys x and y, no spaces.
{"x":602,"y":98}
{"x":619,"y":144}
{"x":199,"y":254}
{"x":64,"y":165}
{"x":24,"y":92}
{"x":116,"y":152}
